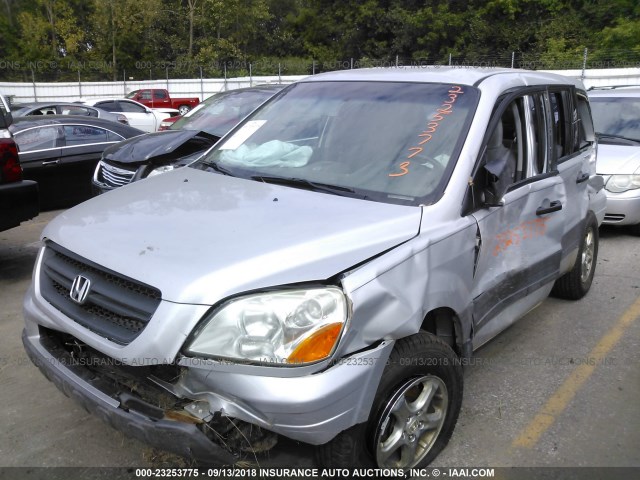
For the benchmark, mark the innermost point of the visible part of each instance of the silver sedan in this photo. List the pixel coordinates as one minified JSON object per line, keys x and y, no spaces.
{"x":65,"y":108}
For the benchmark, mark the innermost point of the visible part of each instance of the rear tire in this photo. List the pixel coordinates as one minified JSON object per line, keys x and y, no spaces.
{"x":413,"y":414}
{"x":184,"y":109}
{"x":575,"y":284}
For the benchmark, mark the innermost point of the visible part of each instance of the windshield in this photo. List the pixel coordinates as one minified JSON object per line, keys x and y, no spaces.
{"x":391,"y":142}
{"x":131,"y":94}
{"x":220,"y":113}
{"x":619,"y":116}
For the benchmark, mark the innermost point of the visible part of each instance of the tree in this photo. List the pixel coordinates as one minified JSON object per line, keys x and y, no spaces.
{"x":121,"y":29}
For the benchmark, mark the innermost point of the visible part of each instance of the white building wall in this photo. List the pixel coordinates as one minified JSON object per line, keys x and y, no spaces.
{"x":72,"y":91}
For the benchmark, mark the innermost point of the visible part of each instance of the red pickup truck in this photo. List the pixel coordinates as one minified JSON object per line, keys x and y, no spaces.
{"x":160,"y":98}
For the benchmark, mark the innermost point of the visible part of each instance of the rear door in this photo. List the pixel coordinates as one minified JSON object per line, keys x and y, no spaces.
{"x":39,"y":151}
{"x":82,"y":149}
{"x":575,"y":160}
{"x":519,"y":239}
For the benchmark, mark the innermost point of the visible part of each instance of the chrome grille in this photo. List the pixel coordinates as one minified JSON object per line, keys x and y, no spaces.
{"x":117,"y":307}
{"x":113,"y":177}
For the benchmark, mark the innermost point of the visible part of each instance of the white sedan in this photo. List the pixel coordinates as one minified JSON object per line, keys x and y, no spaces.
{"x":139,"y":116}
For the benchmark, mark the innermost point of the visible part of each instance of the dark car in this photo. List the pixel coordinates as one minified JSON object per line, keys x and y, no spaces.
{"x":18,"y":197}
{"x":187,"y":139}
{"x":64,"y":108}
{"x":60,"y":152}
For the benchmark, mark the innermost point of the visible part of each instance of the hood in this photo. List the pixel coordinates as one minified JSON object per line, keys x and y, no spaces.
{"x":168,"y":145}
{"x":617,"y":159}
{"x":199,"y":236}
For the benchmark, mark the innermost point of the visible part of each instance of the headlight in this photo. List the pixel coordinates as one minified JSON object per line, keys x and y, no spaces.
{"x":622,"y":183}
{"x":159,"y":170}
{"x":286,"y":327}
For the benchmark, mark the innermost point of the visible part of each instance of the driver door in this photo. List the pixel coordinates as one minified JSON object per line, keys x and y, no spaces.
{"x":520,"y":227}
{"x":138,"y":115}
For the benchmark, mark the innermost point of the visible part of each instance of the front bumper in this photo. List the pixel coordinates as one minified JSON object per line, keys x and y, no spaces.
{"x":623,"y":208}
{"x":181,"y":438}
{"x":311,"y":408}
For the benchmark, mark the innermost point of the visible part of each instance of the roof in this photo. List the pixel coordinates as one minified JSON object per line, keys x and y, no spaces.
{"x":442,"y":74}
{"x":22,"y":123}
{"x":93,"y":101}
{"x":42,"y":104}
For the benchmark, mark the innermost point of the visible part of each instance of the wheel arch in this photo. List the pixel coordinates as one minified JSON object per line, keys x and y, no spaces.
{"x":444,"y":323}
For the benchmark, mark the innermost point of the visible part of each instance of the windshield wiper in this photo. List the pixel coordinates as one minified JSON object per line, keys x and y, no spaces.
{"x":216,"y":167}
{"x":620,"y":137}
{"x":306,"y":184}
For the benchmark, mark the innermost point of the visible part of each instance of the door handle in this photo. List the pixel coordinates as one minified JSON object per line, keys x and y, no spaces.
{"x":553,"y":207}
{"x":582,"y":177}
{"x":51,"y":162}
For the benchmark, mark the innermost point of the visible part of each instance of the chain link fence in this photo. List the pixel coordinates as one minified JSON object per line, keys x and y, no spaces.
{"x":71,"y":80}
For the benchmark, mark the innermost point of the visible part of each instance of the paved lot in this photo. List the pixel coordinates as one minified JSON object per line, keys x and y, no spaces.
{"x":559,"y":388}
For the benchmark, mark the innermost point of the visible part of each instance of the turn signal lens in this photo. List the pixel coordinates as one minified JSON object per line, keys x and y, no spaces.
{"x":317,"y":346}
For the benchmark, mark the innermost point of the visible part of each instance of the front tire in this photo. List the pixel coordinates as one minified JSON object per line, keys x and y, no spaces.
{"x":575,"y":284}
{"x":184,"y":109}
{"x":413,"y":414}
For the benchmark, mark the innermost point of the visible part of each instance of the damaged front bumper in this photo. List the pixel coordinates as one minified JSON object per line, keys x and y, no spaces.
{"x":310,"y":408}
{"x":178,"y":437}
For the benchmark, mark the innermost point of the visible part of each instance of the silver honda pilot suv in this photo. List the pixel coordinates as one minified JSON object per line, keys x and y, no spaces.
{"x":323,"y":272}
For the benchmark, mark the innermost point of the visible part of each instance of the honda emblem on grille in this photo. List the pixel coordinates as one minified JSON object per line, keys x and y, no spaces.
{"x":80,"y":289}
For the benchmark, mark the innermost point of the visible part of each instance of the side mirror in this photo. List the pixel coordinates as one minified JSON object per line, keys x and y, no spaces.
{"x":596,"y":182}
{"x":497,"y":182}
{"x":489,"y":199}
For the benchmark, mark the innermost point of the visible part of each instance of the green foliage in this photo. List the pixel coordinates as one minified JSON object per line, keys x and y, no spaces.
{"x":55,"y":39}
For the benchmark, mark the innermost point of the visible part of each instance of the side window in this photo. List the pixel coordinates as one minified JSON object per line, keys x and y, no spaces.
{"x":83,"y":135}
{"x":517,"y":149}
{"x":39,"y":138}
{"x":145,"y":95}
{"x":504,"y":158}
{"x":131,"y":107}
{"x":113,"y":137}
{"x":110,"y":106}
{"x":561,"y":145}
{"x":78,"y":110}
{"x":159,"y":94}
{"x":44,"y":111}
{"x":584,"y":127}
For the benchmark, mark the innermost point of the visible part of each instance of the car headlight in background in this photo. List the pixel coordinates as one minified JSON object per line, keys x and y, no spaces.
{"x":291,"y":327}
{"x":159,"y":170}
{"x":623,"y":183}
